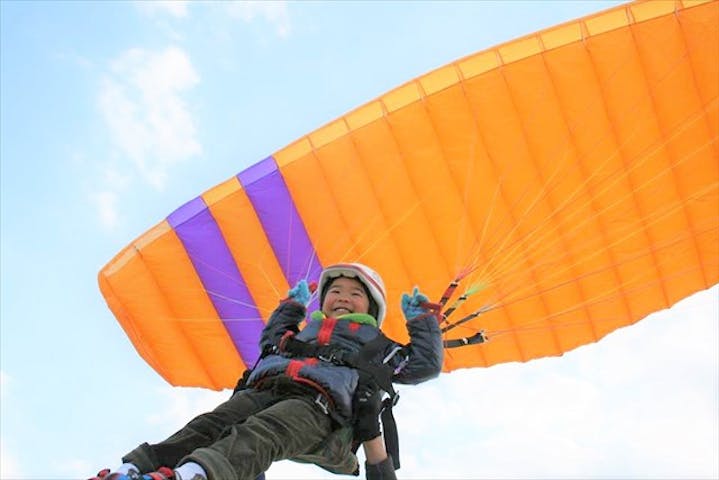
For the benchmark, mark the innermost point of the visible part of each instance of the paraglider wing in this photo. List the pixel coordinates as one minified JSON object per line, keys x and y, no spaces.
{"x":568,"y":180}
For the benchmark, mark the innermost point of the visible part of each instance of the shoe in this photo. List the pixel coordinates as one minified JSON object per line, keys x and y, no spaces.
{"x":163,"y":473}
{"x":108,"y":474}
{"x":101,"y":475}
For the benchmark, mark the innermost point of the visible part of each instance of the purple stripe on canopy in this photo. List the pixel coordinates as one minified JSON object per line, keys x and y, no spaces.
{"x":223,"y":282}
{"x":267,"y":190}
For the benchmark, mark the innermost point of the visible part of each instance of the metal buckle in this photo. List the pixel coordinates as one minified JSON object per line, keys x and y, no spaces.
{"x":332,"y":357}
{"x":323,"y":403}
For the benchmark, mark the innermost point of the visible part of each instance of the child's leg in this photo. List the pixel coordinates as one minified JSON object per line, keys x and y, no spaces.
{"x":284,"y":430}
{"x":201,"y":431}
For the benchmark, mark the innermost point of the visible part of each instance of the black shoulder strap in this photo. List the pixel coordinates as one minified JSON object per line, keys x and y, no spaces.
{"x":367,"y":360}
{"x":381,"y":374}
{"x":391,"y":438}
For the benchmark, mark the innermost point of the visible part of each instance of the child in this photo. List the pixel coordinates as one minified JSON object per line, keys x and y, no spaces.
{"x":297,"y":402}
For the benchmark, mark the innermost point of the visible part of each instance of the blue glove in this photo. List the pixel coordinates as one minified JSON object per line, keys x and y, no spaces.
{"x":300,"y":293}
{"x":412,"y":305}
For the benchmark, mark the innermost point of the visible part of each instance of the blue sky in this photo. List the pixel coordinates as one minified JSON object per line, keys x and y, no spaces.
{"x":115,"y":113}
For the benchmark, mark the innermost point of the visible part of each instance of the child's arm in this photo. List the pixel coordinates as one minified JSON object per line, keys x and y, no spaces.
{"x":290,"y":312}
{"x":378,"y":464}
{"x":421,"y":359}
{"x":374,"y":450}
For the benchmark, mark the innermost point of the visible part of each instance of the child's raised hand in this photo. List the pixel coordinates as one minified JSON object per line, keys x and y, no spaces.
{"x":300,"y":293}
{"x":415,"y":305}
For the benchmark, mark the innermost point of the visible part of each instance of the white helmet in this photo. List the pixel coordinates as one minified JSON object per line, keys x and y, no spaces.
{"x":368,"y":277}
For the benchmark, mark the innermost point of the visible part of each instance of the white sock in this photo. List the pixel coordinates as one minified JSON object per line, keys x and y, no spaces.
{"x":190,"y":471}
{"x":125,"y":468}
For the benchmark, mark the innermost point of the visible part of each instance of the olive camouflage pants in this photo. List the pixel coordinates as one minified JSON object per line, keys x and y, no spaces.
{"x":243,"y":436}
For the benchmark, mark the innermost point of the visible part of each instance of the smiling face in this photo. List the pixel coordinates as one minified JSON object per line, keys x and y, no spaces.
{"x":345,"y":295}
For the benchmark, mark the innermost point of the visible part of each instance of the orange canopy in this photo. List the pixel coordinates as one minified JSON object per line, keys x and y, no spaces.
{"x":570,"y":178}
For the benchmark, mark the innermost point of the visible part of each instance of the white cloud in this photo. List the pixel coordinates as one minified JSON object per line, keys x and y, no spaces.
{"x":174,"y":8}
{"x":75,"y":58}
{"x":273,"y":12}
{"x":5,"y":380}
{"x":183,"y":404}
{"x":106,"y":204}
{"x":107,"y":201}
{"x":9,"y":466}
{"x":142,"y":102}
{"x":115,"y":179}
{"x":641,"y":403}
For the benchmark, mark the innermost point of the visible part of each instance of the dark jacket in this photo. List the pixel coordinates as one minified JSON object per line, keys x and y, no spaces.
{"x":416,"y":362}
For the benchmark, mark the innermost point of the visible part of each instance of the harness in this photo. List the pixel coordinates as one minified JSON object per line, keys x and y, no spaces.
{"x":365,"y":361}
{"x":361,"y":360}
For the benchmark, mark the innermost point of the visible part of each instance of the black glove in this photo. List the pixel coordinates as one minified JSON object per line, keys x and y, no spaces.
{"x":368,"y":406}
